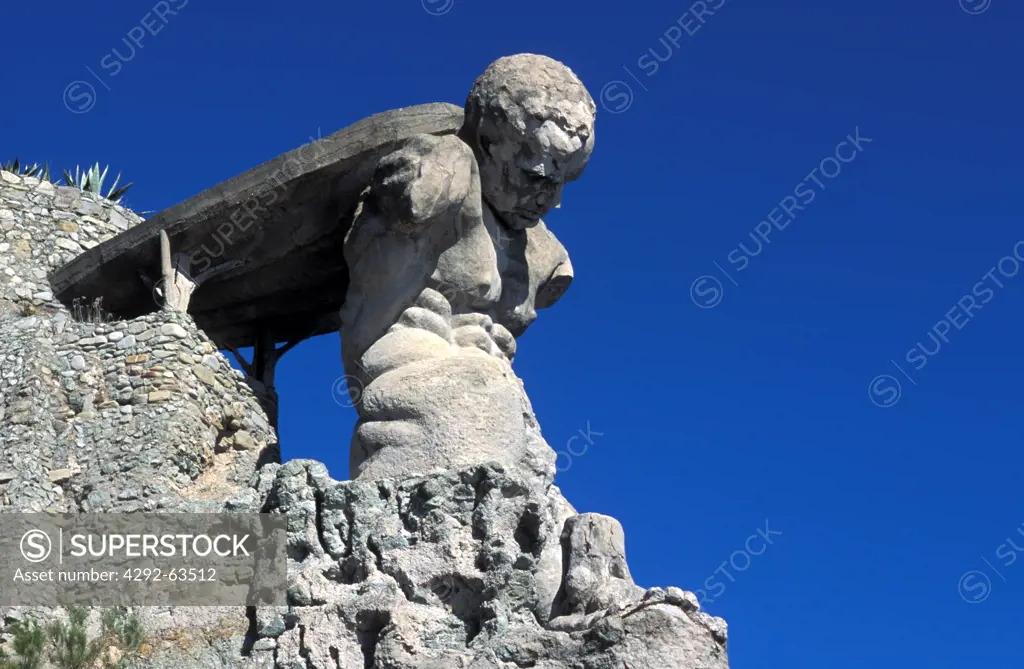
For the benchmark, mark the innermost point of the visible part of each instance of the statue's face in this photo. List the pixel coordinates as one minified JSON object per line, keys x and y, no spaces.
{"x":522,"y":176}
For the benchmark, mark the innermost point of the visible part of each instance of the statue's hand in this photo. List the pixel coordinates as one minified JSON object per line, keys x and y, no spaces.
{"x":475,"y":330}
{"x":427,"y":177}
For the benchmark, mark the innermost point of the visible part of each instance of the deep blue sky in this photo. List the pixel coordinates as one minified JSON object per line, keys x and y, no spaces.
{"x":713,"y":421}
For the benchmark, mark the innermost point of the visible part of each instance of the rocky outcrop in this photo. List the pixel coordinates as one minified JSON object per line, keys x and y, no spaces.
{"x":464,"y":570}
{"x":471,"y":569}
{"x":461,"y":570}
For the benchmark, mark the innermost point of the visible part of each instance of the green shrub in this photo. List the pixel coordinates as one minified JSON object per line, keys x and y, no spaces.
{"x":70,"y":647}
{"x":66,"y":645}
{"x":123,"y":632}
{"x":29,"y":646}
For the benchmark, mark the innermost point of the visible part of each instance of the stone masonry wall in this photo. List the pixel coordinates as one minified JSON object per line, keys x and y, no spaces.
{"x":98,"y":415}
{"x":127,"y":416}
{"x":43,"y":226}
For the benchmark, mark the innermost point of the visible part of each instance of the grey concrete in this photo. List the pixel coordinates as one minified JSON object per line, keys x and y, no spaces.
{"x":265,"y":246}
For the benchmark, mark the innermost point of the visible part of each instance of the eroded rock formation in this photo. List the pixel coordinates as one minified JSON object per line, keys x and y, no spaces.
{"x":471,"y":569}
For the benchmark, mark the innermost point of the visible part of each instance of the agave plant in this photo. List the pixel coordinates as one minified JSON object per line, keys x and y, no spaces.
{"x":92,"y":179}
{"x":41,"y":172}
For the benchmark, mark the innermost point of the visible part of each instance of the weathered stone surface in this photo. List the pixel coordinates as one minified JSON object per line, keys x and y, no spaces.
{"x":205,"y":374}
{"x":531,"y":123}
{"x":446,"y":571}
{"x":596,"y":576}
{"x":244,"y":441}
{"x":173,"y":330}
{"x":57,"y":392}
{"x":279,"y":266}
{"x":427,"y":573}
{"x":449,"y":261}
{"x":40,"y":230}
{"x":59,"y":475}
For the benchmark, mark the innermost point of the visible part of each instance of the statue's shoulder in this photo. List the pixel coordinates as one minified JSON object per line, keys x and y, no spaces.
{"x":423,"y":145}
{"x":425,"y":177}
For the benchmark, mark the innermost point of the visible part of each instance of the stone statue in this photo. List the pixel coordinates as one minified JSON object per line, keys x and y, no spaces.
{"x":449,"y":262}
{"x":451,"y":549}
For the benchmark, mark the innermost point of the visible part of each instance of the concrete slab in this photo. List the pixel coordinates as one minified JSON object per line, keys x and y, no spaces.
{"x":266,"y":244}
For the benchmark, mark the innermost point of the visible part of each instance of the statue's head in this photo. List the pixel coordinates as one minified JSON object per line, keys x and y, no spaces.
{"x":530,"y":122}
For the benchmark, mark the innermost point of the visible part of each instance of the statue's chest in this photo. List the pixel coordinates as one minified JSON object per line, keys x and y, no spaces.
{"x":515,"y":305}
{"x":485,"y":271}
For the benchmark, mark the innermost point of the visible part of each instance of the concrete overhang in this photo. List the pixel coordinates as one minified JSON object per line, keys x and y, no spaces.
{"x":265,"y":245}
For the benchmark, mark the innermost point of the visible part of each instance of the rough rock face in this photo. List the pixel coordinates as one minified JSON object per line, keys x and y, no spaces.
{"x":471,"y":569}
{"x":462,"y":570}
{"x":478,"y":568}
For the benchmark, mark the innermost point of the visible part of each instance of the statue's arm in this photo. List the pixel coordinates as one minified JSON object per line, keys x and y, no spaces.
{"x":426,"y":178}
